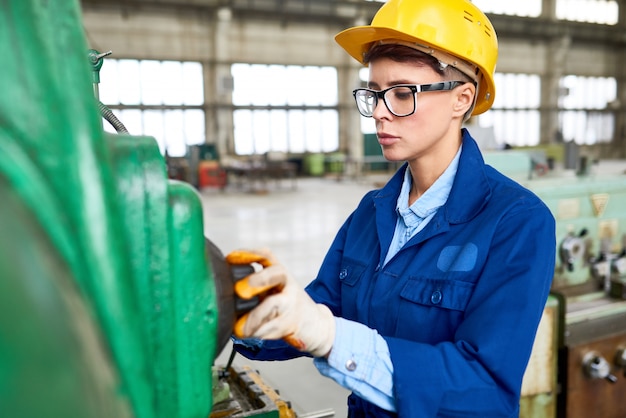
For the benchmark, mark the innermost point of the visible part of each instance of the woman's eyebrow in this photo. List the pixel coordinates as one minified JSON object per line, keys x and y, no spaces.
{"x":374,"y":85}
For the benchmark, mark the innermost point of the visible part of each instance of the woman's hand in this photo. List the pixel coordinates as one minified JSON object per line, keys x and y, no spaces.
{"x":290,"y":313}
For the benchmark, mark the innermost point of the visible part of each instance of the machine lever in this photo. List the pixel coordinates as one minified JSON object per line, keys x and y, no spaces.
{"x":241,"y":264}
{"x":571,"y":249}
{"x":246,"y":296}
{"x":225,"y":372}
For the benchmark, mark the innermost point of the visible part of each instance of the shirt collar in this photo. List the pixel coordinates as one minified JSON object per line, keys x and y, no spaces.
{"x":428,"y":203}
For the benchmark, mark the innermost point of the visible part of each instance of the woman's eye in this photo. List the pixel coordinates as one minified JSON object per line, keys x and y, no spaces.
{"x":403,"y":95}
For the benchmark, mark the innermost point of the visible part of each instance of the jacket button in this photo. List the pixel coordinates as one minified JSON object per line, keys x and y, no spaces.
{"x":343,"y":274}
{"x":435,"y":298}
{"x":351,"y":365}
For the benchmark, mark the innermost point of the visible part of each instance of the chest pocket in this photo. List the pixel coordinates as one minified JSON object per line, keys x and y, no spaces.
{"x":447,"y":294}
{"x":430,"y":310}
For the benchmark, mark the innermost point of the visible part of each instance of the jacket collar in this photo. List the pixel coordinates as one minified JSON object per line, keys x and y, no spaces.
{"x":470,"y":191}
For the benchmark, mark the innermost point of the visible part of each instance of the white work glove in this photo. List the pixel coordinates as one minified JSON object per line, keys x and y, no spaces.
{"x":290,"y":314}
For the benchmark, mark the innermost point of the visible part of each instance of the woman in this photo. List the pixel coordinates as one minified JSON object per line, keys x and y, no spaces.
{"x":428,"y":301}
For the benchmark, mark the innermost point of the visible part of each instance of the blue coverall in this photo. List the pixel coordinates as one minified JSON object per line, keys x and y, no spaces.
{"x":460,"y":303}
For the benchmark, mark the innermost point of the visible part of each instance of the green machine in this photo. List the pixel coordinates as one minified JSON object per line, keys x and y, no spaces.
{"x":112,"y":302}
{"x":108,"y":301}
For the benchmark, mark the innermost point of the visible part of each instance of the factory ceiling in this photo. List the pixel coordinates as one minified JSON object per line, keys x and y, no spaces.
{"x":350,"y":12}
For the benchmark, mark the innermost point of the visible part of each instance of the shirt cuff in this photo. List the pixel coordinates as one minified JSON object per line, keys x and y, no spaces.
{"x":360,"y":361}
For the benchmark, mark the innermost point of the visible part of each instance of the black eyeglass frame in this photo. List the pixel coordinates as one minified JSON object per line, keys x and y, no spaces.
{"x":415,"y":88}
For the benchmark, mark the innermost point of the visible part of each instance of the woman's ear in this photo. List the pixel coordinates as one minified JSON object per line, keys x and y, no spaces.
{"x":464,"y":98}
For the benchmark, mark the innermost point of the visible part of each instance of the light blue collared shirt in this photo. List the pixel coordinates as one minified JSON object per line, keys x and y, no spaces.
{"x":413,"y":219}
{"x":360,"y":359}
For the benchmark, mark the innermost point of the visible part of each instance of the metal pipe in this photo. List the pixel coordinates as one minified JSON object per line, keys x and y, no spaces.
{"x":324,"y":413}
{"x":111,"y":118}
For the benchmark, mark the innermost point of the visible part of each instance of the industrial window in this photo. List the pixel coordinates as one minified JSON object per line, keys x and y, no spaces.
{"x":162,"y":99}
{"x":591,"y":11}
{"x":587,"y":109}
{"x":284,"y":108}
{"x":514,"y":115}
{"x":528,"y":8}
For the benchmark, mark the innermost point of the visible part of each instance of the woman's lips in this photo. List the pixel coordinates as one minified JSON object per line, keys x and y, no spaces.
{"x":386,"y":139}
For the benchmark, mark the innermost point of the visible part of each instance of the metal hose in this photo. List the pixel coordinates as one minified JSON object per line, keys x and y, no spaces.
{"x":111,"y":118}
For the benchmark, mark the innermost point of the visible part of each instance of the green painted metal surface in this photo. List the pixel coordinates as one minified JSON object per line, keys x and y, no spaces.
{"x":163,"y":223}
{"x":195,"y":305}
{"x":53,"y":362}
{"x":102,"y":256}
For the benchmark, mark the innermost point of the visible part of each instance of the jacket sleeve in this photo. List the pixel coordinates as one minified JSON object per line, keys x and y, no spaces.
{"x":479,"y":373}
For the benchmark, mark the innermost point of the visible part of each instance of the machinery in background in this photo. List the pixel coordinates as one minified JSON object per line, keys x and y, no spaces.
{"x":113,"y":304}
{"x":578,"y":366}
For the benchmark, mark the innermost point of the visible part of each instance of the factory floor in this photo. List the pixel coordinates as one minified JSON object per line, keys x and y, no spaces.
{"x":298,"y":223}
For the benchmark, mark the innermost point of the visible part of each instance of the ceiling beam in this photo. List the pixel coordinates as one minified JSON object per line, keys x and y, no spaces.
{"x":345,"y":13}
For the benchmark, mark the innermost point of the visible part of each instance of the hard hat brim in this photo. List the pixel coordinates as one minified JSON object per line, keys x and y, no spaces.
{"x":356,"y":41}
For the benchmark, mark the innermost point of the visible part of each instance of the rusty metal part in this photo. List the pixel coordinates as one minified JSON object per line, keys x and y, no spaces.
{"x":586,"y":397}
{"x":250,"y":396}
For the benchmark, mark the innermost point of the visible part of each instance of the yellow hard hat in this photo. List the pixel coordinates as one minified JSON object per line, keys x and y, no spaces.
{"x":447,"y":29}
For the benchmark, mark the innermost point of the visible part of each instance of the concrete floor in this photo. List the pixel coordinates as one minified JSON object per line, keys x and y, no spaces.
{"x":298,"y":225}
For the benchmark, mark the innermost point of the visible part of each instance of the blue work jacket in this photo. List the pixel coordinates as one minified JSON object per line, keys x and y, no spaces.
{"x":458,"y":305}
